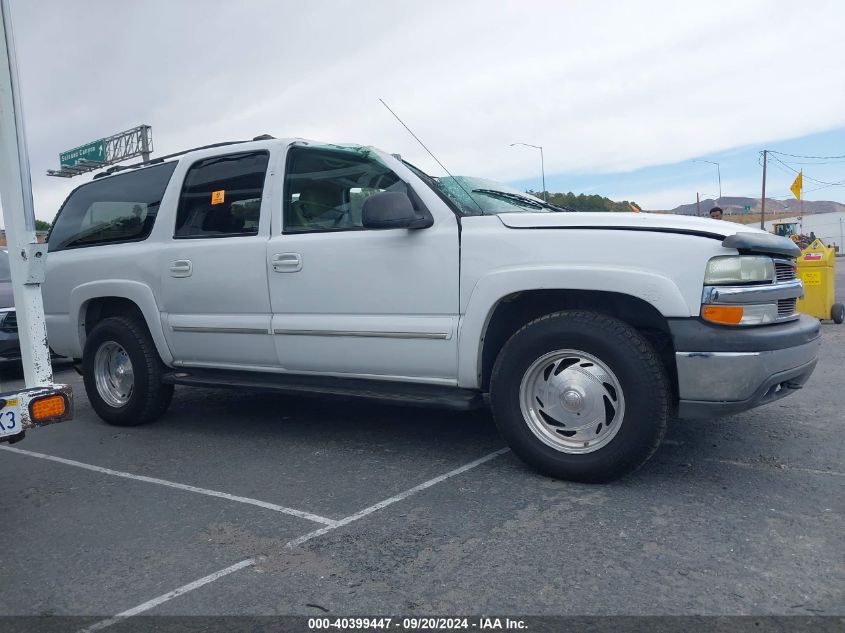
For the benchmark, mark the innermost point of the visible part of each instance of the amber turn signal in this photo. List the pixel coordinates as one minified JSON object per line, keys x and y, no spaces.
{"x":47,"y":407}
{"x":724,"y":315}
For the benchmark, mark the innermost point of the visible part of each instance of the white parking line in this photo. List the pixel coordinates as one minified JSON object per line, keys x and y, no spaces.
{"x":150,"y":604}
{"x":168,"y":596}
{"x":801,"y":469}
{"x":402,"y":495}
{"x":172,"y":484}
{"x":763,"y":466}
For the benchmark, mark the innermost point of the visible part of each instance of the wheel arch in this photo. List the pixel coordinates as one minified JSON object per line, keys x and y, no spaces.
{"x":92,"y":302}
{"x":495,"y":312}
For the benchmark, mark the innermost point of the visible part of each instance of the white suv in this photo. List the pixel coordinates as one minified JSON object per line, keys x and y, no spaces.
{"x":334,"y":269}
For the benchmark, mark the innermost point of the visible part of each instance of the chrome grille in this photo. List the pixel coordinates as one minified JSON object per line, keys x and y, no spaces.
{"x":784,"y":270}
{"x":786,"y":308}
{"x":9,"y":321}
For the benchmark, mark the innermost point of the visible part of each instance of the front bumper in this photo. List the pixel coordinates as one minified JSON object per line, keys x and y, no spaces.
{"x":765,"y":363}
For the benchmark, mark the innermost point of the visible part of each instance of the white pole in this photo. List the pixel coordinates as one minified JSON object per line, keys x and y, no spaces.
{"x":27,"y":258}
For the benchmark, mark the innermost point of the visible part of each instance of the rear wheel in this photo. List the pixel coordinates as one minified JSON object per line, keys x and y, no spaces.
{"x":122,"y":373}
{"x":580,"y":396}
{"x":837,"y":313}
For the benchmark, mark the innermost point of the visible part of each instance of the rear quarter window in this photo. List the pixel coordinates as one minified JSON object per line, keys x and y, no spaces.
{"x":119,"y":208}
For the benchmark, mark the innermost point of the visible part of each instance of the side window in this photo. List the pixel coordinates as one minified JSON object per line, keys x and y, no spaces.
{"x":221,"y":196}
{"x":325,"y":189}
{"x":119,"y":208}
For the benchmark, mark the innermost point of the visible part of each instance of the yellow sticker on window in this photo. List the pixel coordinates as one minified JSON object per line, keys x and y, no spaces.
{"x":811,"y":278}
{"x":217,"y":197}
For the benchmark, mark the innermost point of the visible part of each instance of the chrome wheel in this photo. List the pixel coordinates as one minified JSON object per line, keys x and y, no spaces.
{"x":572,"y":401}
{"x":113,"y":374}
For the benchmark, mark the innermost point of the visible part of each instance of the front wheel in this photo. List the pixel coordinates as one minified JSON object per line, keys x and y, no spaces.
{"x":122,"y":373}
{"x":580,"y":396}
{"x":837,"y":313}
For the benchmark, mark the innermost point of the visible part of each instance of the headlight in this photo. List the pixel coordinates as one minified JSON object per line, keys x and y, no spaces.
{"x":739,"y":269}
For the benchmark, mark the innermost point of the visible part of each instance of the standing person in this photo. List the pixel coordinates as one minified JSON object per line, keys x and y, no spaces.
{"x":716,"y":213}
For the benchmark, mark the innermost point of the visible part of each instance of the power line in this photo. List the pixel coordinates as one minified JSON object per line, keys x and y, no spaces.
{"x":771,"y":151}
{"x":806,"y":162}
{"x":816,"y":180}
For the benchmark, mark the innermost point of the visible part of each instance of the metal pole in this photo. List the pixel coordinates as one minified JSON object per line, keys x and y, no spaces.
{"x":801,"y":221}
{"x":145,"y":144}
{"x":697,"y":204}
{"x":542,"y":166}
{"x":719,"y":170}
{"x":27,"y":258}
{"x":543,"y":174}
{"x":763,"y":199}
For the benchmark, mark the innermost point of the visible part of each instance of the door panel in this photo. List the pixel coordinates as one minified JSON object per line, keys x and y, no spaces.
{"x":215,"y":300}
{"x":368,"y":302}
{"x":347,"y":300}
{"x":221,"y":311}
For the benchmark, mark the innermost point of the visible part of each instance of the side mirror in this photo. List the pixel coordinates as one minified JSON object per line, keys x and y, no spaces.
{"x":389,"y":210}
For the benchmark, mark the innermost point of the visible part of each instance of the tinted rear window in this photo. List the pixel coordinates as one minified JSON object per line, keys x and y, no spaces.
{"x":120,"y":208}
{"x":221,"y":196}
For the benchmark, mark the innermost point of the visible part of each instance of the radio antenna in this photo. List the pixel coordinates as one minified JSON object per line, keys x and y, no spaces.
{"x":430,"y":153}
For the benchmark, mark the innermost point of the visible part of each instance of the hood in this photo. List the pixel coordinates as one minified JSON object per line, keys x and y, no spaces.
{"x":741,"y":237}
{"x":633,"y":221}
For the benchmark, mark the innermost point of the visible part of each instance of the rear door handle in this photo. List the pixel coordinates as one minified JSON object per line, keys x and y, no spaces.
{"x":287,"y":262}
{"x":181,"y":268}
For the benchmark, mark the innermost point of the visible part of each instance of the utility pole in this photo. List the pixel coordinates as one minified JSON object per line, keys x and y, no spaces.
{"x":697,"y":204}
{"x":26,"y":256}
{"x":763,"y":199}
{"x":543,"y":173}
{"x":41,"y":402}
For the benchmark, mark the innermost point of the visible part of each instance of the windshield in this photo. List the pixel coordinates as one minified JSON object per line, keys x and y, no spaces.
{"x":478,"y":196}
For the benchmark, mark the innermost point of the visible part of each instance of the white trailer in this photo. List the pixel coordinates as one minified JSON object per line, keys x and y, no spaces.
{"x":42,"y":401}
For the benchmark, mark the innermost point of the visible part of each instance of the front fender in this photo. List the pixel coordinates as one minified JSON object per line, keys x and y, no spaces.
{"x":140,"y":294}
{"x":657,"y":290}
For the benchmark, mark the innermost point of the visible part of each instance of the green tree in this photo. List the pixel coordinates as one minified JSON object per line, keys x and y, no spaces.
{"x":584,"y":203}
{"x":41,"y":225}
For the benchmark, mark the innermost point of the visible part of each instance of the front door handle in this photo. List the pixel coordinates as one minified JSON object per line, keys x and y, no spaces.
{"x":181,"y":268}
{"x":287,"y":262}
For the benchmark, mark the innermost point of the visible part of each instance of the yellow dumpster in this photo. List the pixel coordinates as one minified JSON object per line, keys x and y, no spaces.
{"x":816,"y":270}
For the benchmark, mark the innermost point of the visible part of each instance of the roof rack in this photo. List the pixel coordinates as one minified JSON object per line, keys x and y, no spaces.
{"x":161,"y":159}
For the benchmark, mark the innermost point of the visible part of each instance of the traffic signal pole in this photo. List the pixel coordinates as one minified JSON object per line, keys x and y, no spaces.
{"x":27,"y":258}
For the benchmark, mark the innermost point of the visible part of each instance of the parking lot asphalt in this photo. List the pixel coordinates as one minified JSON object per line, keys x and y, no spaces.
{"x":240,"y":503}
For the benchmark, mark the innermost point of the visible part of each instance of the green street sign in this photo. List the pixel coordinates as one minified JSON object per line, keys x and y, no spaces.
{"x":94,"y":151}
{"x":747,"y":207}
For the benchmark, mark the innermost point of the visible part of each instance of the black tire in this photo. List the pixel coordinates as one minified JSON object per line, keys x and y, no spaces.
{"x":641,"y":375}
{"x":837,"y":313}
{"x":149,"y":398}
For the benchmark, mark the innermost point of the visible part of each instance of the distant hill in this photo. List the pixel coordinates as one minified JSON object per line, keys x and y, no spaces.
{"x":736,"y":206}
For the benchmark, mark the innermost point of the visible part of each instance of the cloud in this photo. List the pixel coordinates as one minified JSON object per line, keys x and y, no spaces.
{"x":603,"y":86}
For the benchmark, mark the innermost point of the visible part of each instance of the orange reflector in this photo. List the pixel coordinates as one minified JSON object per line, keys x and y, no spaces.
{"x":47,"y":407}
{"x":726,"y":315}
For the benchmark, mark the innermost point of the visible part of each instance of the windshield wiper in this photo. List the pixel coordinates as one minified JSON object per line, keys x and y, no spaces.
{"x":537,"y":204}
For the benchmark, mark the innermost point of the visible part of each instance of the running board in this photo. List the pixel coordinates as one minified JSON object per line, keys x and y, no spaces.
{"x":405,"y":393}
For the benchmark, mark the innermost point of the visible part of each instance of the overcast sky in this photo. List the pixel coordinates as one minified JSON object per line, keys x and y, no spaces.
{"x":612,"y":90}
